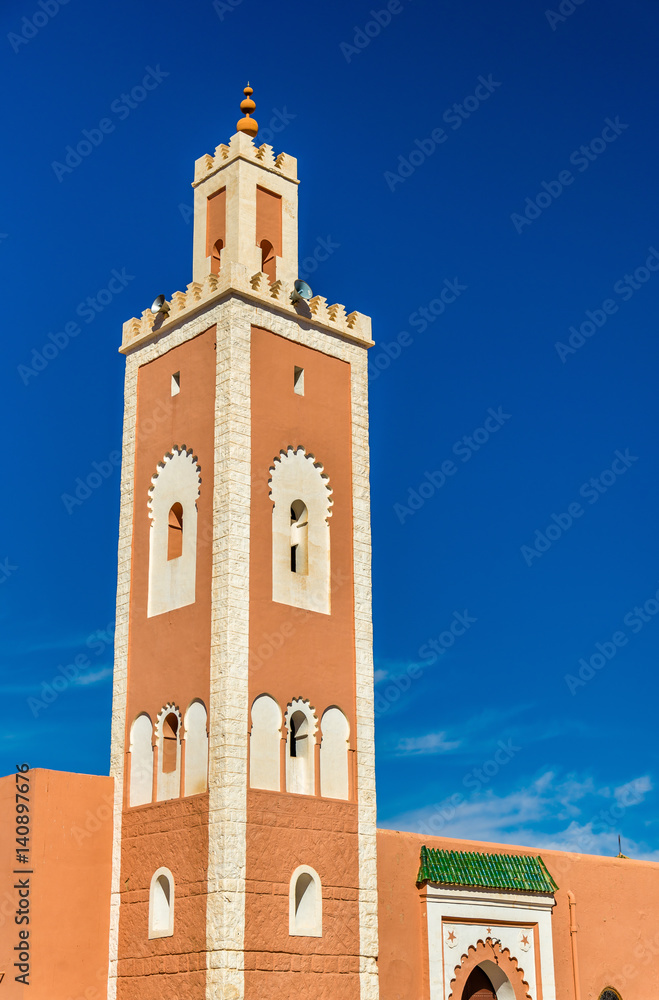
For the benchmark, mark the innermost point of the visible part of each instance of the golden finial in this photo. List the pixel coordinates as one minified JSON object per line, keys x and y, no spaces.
{"x":247,"y":124}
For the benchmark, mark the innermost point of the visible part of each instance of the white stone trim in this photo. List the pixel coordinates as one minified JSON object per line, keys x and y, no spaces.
{"x":365,"y":729}
{"x":468,"y":913}
{"x":229,"y":708}
{"x":310,"y":922}
{"x":120,"y":676}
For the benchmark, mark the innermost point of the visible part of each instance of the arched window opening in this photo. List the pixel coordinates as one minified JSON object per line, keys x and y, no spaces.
{"x":141,"y":761}
{"x":196,"y":749}
{"x":299,"y":537}
{"x":169,"y":744}
{"x":305,"y":903}
{"x":298,"y":743}
{"x":161,"y":904}
{"x":168,"y":735}
{"x":610,"y":994}
{"x":268,"y":260}
{"x":300,"y":531}
{"x":216,"y":256}
{"x":173,"y":551}
{"x":264,"y":744}
{"x":334,"y":767}
{"x":302,"y":724}
{"x":175,"y":532}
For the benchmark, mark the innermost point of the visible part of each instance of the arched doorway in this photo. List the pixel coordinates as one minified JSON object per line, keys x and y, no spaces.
{"x":478,"y":987}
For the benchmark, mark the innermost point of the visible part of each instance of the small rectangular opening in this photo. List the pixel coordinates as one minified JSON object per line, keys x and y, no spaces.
{"x":176,"y":383}
{"x":298,"y":380}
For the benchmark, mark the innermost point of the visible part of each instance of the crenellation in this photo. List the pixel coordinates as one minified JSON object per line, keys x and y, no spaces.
{"x":234,"y":279}
{"x":243,"y":147}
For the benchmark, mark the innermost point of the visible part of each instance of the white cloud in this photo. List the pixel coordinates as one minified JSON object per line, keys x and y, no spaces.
{"x":551,"y":812}
{"x":93,"y":677}
{"x":431,"y":743}
{"x":633,"y":792}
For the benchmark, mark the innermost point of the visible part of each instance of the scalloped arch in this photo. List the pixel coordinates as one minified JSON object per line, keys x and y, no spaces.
{"x":485,"y":951}
{"x":162,"y":471}
{"x":299,"y":455}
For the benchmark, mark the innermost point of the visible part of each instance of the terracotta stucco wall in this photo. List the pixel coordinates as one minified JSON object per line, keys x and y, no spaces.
{"x":301,"y":654}
{"x":71,"y":856}
{"x":169,"y":661}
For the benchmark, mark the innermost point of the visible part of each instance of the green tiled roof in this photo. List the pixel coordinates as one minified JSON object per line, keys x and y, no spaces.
{"x":486,"y":871}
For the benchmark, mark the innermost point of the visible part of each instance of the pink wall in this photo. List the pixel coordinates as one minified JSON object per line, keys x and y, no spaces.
{"x":70,"y":854}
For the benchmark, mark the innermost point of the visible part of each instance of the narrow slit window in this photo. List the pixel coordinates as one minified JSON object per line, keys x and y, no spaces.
{"x":175,"y":532}
{"x":298,"y":380}
{"x":176,"y":383}
{"x":169,"y":744}
{"x":299,"y":537}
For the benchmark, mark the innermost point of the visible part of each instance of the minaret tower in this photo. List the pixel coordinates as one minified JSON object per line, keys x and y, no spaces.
{"x":242,"y":746}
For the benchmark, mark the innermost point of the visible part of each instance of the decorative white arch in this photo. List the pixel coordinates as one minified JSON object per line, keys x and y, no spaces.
{"x":196,"y":749}
{"x":334,"y":774}
{"x":141,"y":761}
{"x":161,"y":904}
{"x":301,"y":726}
{"x":264,"y":744}
{"x":305,"y":903}
{"x":173,"y":506}
{"x":168,"y":779}
{"x":302,"y":501}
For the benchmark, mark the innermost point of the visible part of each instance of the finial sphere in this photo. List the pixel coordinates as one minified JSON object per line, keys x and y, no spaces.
{"x":247,"y":124}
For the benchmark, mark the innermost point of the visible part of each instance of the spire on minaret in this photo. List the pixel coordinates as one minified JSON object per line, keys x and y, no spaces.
{"x":247,"y":124}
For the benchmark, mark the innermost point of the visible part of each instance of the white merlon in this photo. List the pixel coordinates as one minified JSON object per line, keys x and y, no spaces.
{"x":235,"y":279}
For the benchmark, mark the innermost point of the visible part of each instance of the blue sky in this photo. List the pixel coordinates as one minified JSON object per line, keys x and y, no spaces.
{"x":486,"y":178}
